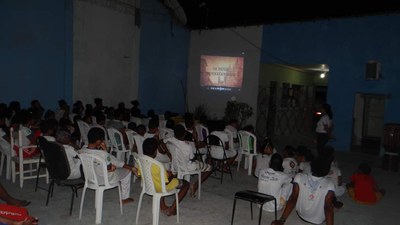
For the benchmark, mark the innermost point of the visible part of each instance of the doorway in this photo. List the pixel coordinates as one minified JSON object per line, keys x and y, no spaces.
{"x":368,"y":120}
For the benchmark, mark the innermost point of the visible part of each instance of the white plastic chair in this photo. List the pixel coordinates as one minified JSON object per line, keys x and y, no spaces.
{"x":97,"y":183}
{"x":24,"y":173}
{"x":248,"y":147}
{"x":145,"y":164}
{"x":202,"y":132}
{"x":117,"y":144}
{"x":165,"y":132}
{"x":83,"y":129}
{"x":5,"y":150}
{"x":182,"y":172}
{"x":139,"y":143}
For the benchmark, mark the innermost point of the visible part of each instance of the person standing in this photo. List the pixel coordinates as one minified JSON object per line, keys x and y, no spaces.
{"x":324,"y":127}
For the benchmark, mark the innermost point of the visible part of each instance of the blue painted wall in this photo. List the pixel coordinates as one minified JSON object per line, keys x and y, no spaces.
{"x":345,"y":45}
{"x":163,"y":60}
{"x":36,"y":51}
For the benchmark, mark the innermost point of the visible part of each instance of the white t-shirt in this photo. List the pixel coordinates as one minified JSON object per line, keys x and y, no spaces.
{"x":50,"y":138}
{"x":277,"y":184}
{"x":73,"y":161}
{"x":290,"y":166}
{"x":262,"y":162}
{"x":25,"y":134}
{"x":181,"y":153}
{"x":311,"y":200}
{"x":324,"y":120}
{"x":148,"y":135}
{"x":305,"y":167}
{"x":334,"y":174}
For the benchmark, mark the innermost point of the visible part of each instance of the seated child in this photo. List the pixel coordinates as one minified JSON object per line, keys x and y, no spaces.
{"x":363,"y":188}
{"x":150,"y":146}
{"x":273,"y":181}
{"x":263,"y":158}
{"x":289,"y":164}
{"x":304,"y":157}
{"x":335,"y":174}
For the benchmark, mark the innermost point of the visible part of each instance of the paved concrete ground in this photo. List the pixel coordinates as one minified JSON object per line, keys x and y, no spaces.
{"x":215,"y":206}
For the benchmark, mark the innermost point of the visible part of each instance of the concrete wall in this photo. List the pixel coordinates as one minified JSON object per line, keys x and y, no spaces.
{"x":228,"y":42}
{"x":164,"y":47}
{"x":36,"y":51}
{"x":345,"y":45}
{"x":106,"y":46}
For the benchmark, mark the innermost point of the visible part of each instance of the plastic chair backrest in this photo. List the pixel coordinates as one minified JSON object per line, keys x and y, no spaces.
{"x":248,"y":142}
{"x":165,"y":132}
{"x":89,"y":163}
{"x":202,"y":132}
{"x":139,"y":143}
{"x":55,"y":158}
{"x":5,"y":147}
{"x":83,"y":129}
{"x":116,"y":139}
{"x":145,"y":164}
{"x":230,"y":138}
{"x":131,"y":139}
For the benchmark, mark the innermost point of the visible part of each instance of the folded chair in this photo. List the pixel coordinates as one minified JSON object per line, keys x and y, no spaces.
{"x":214,"y":143}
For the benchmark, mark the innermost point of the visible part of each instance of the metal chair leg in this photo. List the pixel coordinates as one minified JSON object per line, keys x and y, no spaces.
{"x":233,"y":210}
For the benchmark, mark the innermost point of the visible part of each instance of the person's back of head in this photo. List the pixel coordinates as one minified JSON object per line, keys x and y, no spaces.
{"x":328,"y":152}
{"x":95,"y":134}
{"x":276,"y":162}
{"x":179,"y":132}
{"x":170,"y":124}
{"x":234,"y":123}
{"x":98,"y":102}
{"x":150,"y":146}
{"x":100,"y":118}
{"x":153,"y":123}
{"x":328,"y":110}
{"x":121,"y":106}
{"x":132,"y":126}
{"x":62,"y":103}
{"x":289,"y":151}
{"x":49,"y":114}
{"x":150,"y":113}
{"x":249,"y":128}
{"x":48,"y":127}
{"x":364,"y":168}
{"x":63,"y":136}
{"x":267,"y":147}
{"x":320,"y":167}
{"x":118,"y":114}
{"x":141,"y":129}
{"x":189,"y":120}
{"x":220,"y":125}
{"x":305,"y":153}
{"x":167,"y":115}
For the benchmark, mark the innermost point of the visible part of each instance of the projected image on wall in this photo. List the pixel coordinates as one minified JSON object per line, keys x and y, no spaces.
{"x":221,"y":73}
